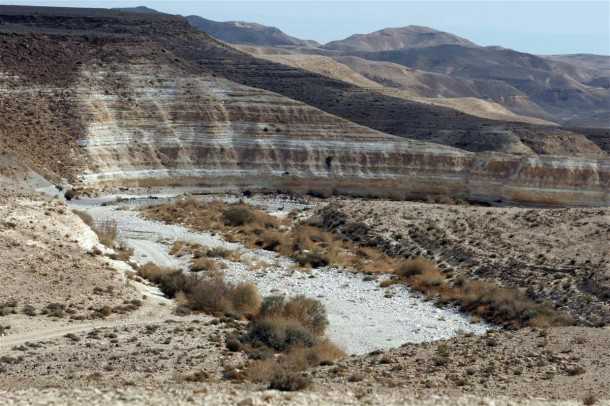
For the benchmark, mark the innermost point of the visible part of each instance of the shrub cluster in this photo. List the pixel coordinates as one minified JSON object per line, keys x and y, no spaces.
{"x":506,"y":306}
{"x":209,"y":292}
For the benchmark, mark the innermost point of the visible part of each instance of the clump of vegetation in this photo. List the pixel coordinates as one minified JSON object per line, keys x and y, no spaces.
{"x":204,"y":264}
{"x":208,"y":293}
{"x":501,"y":305}
{"x":107,"y":231}
{"x":311,"y":246}
{"x":7,"y":308}
{"x":310,"y":313}
{"x":237,"y":216}
{"x":57,"y":310}
{"x":414,"y":267}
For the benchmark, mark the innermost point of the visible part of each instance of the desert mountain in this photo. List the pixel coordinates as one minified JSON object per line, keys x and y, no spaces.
{"x":147,"y":99}
{"x":238,"y":32}
{"x":389,"y":39}
{"x":560,"y":89}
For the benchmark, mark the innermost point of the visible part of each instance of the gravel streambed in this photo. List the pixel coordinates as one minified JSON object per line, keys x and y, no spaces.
{"x":363,"y":317}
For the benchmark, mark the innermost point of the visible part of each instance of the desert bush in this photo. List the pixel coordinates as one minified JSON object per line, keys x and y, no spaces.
{"x":170,"y":281}
{"x":123,"y":253}
{"x":219,"y":252}
{"x":279,"y":334}
{"x":107,"y":231}
{"x":314,"y":259}
{"x":204,"y":264}
{"x":245,"y":299}
{"x":270,"y":240}
{"x":413,"y":267}
{"x":310,"y":313}
{"x":29,"y":310}
{"x":69,"y":194}
{"x":288,"y":381}
{"x":294,"y":361}
{"x":237,"y":216}
{"x":55,"y":310}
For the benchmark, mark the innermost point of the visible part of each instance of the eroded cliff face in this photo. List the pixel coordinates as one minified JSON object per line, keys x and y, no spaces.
{"x":163,"y":126}
{"x":136,"y":103}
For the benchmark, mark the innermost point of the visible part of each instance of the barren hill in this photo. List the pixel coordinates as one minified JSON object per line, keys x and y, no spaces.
{"x":389,"y":39}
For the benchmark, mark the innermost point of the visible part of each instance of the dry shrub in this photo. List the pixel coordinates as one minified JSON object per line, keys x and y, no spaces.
{"x":179,"y":248}
{"x":238,"y":215}
{"x":288,"y":365}
{"x":154,"y":272}
{"x":170,"y":281}
{"x":270,"y":240}
{"x":210,"y":294}
{"x":279,"y":334}
{"x":204,"y":264}
{"x":220,"y":252}
{"x":426,"y":279}
{"x":288,"y":381}
{"x":246,"y":299}
{"x":107,"y":231}
{"x":310,"y":313}
{"x":417,"y":266}
{"x":123,"y":253}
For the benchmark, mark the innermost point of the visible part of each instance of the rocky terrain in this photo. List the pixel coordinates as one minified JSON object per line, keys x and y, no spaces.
{"x":117,"y":289}
{"x":558,"y":255}
{"x":116,"y":124}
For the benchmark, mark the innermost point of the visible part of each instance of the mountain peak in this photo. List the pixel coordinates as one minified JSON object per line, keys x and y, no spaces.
{"x":392,"y":38}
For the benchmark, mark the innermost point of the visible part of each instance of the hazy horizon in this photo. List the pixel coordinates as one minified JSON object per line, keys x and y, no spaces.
{"x":544,"y":27}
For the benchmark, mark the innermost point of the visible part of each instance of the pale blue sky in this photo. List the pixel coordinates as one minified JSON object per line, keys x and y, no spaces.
{"x":542,"y":27}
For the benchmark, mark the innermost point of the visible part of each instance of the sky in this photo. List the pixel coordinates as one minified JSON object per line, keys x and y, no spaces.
{"x":539,"y":27}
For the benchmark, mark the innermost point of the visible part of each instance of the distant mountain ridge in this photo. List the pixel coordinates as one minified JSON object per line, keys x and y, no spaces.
{"x":239,"y":32}
{"x":389,"y":39}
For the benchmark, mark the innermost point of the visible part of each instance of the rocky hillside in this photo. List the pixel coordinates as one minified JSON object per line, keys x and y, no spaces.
{"x":389,"y":39}
{"x":572,"y":90}
{"x":146,"y":99}
{"x":239,"y":32}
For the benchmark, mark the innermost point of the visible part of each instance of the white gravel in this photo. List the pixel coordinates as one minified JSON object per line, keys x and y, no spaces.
{"x":231,"y":396}
{"x":362,"y":318}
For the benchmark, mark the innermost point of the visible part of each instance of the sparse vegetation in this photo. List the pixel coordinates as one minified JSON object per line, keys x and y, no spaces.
{"x":107,"y":231}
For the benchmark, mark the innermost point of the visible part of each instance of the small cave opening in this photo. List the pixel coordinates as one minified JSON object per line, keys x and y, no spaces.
{"x":329,"y":163}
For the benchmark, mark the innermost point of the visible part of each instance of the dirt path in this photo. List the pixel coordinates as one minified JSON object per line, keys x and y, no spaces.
{"x":50,"y":333}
